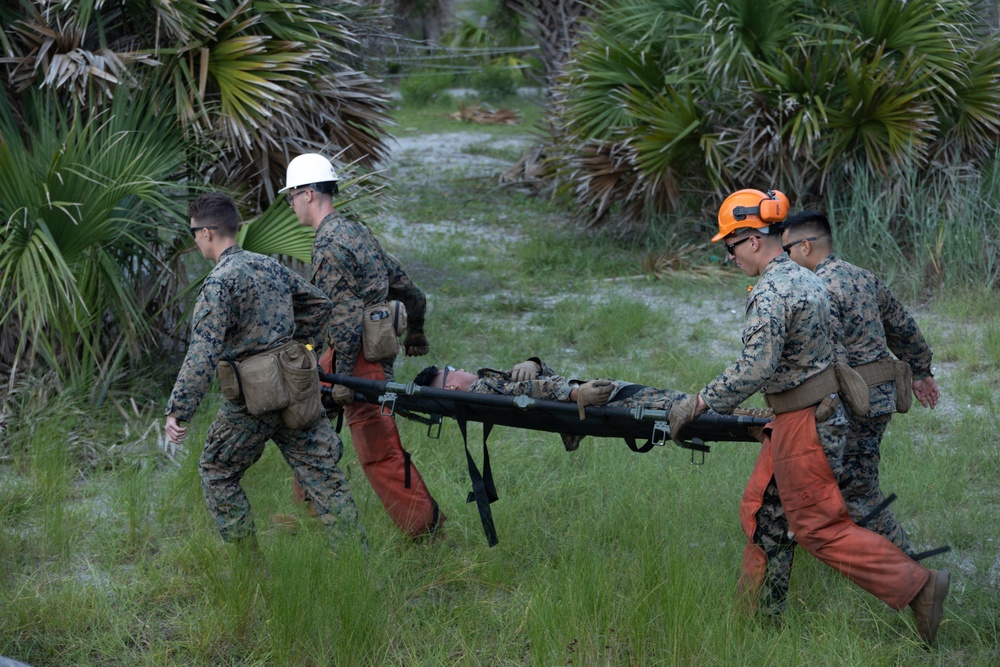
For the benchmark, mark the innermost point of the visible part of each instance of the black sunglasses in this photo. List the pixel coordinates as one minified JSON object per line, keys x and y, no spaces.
{"x":788,"y":247}
{"x":195,"y":230}
{"x":444,"y":380}
{"x":731,"y":246}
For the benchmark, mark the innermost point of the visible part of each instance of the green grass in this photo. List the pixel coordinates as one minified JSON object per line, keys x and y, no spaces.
{"x":605,"y":557}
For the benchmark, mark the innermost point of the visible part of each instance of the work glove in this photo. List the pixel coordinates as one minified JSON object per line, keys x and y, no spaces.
{"x":342,"y":395}
{"x":756,"y":432}
{"x":524,"y":371}
{"x":595,"y":392}
{"x":681,"y":415}
{"x":415,"y":344}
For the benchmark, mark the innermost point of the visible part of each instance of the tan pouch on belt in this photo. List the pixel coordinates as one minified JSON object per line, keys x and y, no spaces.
{"x":853,"y":389}
{"x":301,"y":376}
{"x":263,"y":388}
{"x":378,"y":334}
{"x":229,"y":380}
{"x":904,"y":386}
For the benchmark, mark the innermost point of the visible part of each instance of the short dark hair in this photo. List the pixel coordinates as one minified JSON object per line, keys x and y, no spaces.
{"x":812,"y":223}
{"x":425,"y":378}
{"x":216,"y":209}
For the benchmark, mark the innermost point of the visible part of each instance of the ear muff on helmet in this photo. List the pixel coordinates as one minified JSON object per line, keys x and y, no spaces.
{"x":751,"y":208}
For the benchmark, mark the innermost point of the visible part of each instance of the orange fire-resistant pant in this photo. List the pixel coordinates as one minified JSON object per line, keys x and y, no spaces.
{"x":388,"y":467}
{"x":817,"y":517}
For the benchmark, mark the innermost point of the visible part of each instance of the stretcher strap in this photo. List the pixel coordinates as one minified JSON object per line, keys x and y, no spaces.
{"x":483,"y":490}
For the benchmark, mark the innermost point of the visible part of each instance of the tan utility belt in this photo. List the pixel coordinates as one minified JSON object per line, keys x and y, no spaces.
{"x":809,"y":393}
{"x":834,"y":379}
{"x":877,"y":372}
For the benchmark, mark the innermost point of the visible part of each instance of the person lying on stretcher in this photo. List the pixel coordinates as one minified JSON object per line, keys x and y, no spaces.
{"x":536,"y":379}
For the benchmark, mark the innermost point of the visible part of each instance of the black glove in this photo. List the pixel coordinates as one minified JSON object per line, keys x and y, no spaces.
{"x":415,"y":344}
{"x":681,"y":415}
{"x":595,"y":392}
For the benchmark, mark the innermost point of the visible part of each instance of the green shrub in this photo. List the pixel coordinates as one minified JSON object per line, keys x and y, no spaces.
{"x":496,"y":82}
{"x":423,"y":87}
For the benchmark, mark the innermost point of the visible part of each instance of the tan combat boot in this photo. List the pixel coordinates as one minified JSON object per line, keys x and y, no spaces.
{"x":928,"y":605}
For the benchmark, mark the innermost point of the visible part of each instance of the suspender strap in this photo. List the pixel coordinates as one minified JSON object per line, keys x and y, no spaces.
{"x":406,"y":469}
{"x":483,"y":490}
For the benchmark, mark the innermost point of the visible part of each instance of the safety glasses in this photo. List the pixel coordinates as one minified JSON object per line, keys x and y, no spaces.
{"x":789,"y":246}
{"x":731,"y":247}
{"x":195,"y":230}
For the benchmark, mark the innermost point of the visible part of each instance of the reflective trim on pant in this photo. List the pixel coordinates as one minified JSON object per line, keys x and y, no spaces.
{"x":387,"y":466}
{"x":817,"y":516}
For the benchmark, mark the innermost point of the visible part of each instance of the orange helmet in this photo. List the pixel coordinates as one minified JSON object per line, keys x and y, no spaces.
{"x":750,"y":208}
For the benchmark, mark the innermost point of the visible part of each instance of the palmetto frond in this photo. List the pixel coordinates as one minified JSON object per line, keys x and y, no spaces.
{"x":82,"y":207}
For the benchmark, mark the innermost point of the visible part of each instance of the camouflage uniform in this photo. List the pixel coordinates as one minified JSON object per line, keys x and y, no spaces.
{"x":551,"y":387}
{"x":248,"y":304}
{"x":785,"y":341}
{"x":868,"y":319}
{"x":350,"y":266}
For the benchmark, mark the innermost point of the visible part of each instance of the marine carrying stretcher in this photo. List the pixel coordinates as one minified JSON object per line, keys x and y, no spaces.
{"x":430,"y":405}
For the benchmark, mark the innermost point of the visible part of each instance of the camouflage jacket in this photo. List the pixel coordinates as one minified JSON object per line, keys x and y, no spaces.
{"x":786,"y":337}
{"x":868,"y":321}
{"x":552,"y":387}
{"x":350,"y":266}
{"x":249,"y":303}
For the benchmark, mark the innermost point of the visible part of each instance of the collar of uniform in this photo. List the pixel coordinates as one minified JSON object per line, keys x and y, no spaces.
{"x":829,"y":259}
{"x":231,"y":250}
{"x":330,"y":219}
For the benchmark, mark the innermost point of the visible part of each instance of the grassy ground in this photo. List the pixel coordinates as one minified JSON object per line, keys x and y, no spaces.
{"x":605,"y":557}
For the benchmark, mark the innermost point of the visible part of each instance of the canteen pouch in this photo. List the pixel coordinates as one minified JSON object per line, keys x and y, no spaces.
{"x":229,"y":380}
{"x":904,"y":385}
{"x":301,"y":376}
{"x":378,"y":335}
{"x":261,"y":379}
{"x":399,"y":320}
{"x":853,"y":389}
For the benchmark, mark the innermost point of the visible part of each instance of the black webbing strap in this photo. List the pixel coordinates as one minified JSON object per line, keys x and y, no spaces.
{"x":875,"y":511}
{"x":483,"y":490}
{"x":638,"y":450}
{"x":406,"y":469}
{"x":932,"y":552}
{"x":340,"y":420}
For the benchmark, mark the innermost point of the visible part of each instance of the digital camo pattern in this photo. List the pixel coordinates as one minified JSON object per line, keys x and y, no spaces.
{"x":351,"y":268}
{"x":552,"y":387}
{"x":772,"y":524}
{"x":236,"y":441}
{"x":868,"y":321}
{"x":786,"y":337}
{"x":866,"y":317}
{"x":863,"y":493}
{"x":249,"y":303}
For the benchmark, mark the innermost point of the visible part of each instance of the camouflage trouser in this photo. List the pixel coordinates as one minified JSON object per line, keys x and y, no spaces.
{"x":650,"y":398}
{"x":862,"y":493}
{"x":772,"y":524}
{"x":236,"y":441}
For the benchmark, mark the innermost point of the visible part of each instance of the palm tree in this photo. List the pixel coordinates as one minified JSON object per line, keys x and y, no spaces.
{"x":259,"y":82}
{"x":670,"y":96}
{"x":115,"y":113}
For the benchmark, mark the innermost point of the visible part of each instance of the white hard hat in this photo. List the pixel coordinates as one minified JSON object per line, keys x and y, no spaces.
{"x":309,"y":169}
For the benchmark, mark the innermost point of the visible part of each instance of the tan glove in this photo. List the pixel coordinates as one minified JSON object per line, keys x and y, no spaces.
{"x":756,"y":432}
{"x":524,"y":371}
{"x":681,"y":415}
{"x":595,"y":392}
{"x":415,"y":344}
{"x":342,"y":395}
